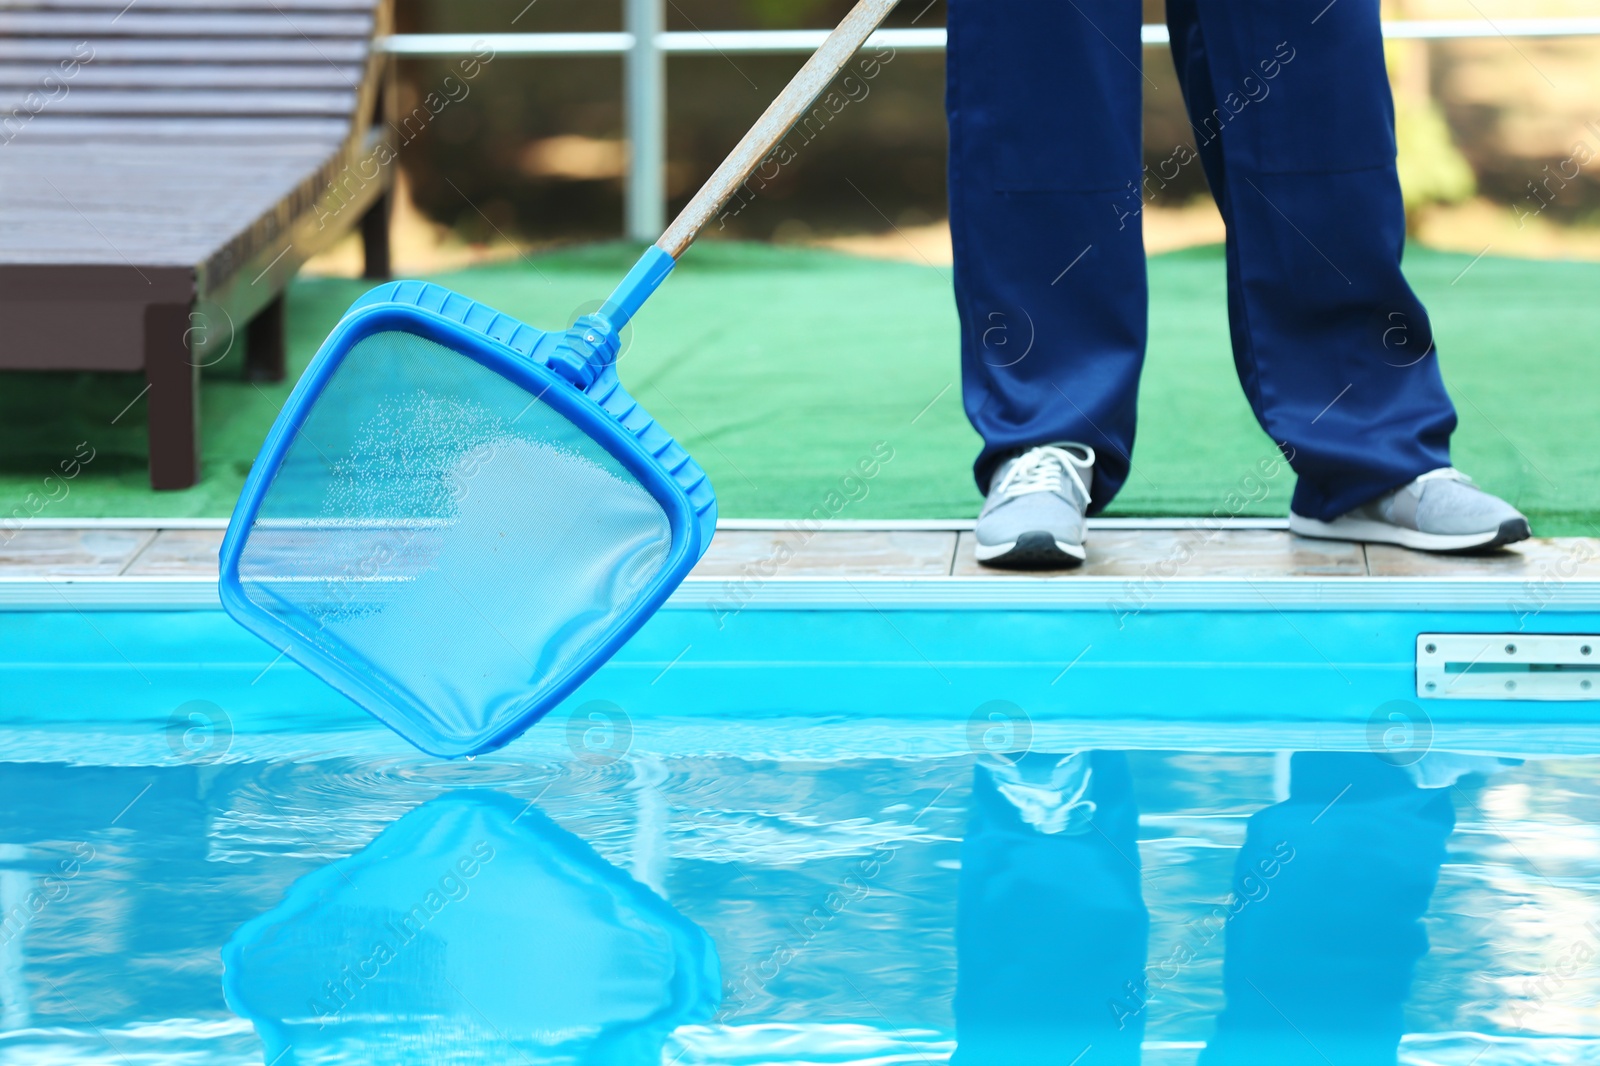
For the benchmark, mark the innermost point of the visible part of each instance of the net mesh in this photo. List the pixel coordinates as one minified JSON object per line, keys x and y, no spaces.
{"x":439,"y":528}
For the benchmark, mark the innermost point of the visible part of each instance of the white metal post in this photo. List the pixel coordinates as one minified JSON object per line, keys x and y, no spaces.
{"x":645,"y":108}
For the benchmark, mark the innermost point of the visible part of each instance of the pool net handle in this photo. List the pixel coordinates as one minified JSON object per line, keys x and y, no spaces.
{"x":755,"y":147}
{"x":775,"y":123}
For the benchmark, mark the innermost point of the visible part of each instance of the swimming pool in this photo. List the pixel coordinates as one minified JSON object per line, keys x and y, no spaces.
{"x":795,"y":830}
{"x":788,"y":903}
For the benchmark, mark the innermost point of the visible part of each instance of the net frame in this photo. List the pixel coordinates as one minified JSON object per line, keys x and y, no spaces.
{"x":522,"y":355}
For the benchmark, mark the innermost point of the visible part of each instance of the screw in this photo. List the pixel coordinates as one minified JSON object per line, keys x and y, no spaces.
{"x":1430,"y":648}
{"x":1585,"y":649}
{"x":1511,"y":649}
{"x":1586,"y":685}
{"x":1511,"y":686}
{"x":1431,"y":685}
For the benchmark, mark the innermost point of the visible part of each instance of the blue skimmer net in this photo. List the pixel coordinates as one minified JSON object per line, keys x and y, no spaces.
{"x":457,"y":518}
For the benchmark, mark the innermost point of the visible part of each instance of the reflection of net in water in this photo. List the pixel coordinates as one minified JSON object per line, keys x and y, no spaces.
{"x":473,"y":922}
{"x":436,"y":523}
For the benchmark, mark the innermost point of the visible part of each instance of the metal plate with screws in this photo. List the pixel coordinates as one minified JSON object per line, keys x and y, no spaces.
{"x":1508,"y":666}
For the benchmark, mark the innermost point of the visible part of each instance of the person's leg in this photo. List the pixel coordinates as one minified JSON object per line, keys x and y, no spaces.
{"x":1044,"y":106}
{"x":1294,"y":121}
{"x":1052,"y":931}
{"x":1325,"y":925}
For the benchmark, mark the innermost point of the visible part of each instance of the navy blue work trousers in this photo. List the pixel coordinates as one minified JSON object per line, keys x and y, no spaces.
{"x":1294,"y":125}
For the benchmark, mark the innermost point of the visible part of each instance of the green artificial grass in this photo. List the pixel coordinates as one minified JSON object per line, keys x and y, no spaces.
{"x":783,"y":369}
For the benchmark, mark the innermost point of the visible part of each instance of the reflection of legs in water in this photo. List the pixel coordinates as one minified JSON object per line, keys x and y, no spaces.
{"x":1318,"y":964}
{"x":1051,"y":928}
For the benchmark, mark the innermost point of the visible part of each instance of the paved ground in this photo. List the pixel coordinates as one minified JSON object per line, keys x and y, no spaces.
{"x":897,"y":552}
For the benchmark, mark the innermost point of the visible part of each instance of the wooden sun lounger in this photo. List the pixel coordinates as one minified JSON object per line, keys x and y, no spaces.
{"x":165,"y":168}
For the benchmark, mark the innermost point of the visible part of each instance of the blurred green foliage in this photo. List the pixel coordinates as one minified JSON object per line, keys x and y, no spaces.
{"x":788,"y":14}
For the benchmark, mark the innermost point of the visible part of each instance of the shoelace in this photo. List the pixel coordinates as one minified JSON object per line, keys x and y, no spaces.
{"x":1053,"y":802}
{"x":1447,"y":473}
{"x":1394,"y":509}
{"x":1444,"y":473}
{"x":1042,"y":469}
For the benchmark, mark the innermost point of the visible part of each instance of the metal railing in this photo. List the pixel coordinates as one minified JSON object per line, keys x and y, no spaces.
{"x":644,"y":46}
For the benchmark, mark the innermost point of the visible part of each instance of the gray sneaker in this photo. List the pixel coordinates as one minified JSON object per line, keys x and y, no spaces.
{"x":1441,"y":511}
{"x":1033,"y":516}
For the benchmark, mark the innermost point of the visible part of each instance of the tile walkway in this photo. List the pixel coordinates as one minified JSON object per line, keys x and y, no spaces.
{"x":919,"y":553}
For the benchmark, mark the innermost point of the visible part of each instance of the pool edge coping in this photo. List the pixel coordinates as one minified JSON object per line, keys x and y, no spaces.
{"x":842,"y":525}
{"x":856,"y":579}
{"x":1121,"y":595}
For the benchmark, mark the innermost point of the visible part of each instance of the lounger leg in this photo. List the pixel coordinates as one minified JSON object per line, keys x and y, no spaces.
{"x":375,"y":237}
{"x":263,"y":344}
{"x":174,"y":397}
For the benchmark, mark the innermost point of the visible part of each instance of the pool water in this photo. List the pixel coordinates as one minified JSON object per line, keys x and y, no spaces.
{"x":307,"y":899}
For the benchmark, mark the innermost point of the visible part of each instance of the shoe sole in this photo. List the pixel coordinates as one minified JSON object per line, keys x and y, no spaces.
{"x":1366,"y":531}
{"x":1031,"y":551}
